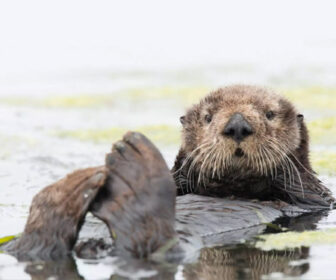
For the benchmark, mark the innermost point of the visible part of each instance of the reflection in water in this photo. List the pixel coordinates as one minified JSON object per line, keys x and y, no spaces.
{"x":304,"y":222}
{"x":245,"y":263}
{"x":113,"y":269}
{"x":240,"y":262}
{"x":235,"y":262}
{"x":214,"y":263}
{"x":65,"y":269}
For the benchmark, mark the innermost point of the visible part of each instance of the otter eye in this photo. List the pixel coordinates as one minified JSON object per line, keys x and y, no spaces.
{"x":300,"y":117}
{"x":208,"y":118}
{"x":270,"y":115}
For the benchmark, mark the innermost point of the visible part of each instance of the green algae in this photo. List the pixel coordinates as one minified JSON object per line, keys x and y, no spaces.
{"x":323,"y":131}
{"x":95,"y":135}
{"x":185,"y":95}
{"x":163,"y":134}
{"x":6,"y":239}
{"x":77,"y":101}
{"x":284,"y":240}
{"x":324,"y":162}
{"x":9,"y":144}
{"x":306,"y":97}
{"x":313,"y":97}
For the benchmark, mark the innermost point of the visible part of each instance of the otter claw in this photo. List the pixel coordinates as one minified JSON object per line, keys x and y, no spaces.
{"x":97,"y":178}
{"x":119,"y":146}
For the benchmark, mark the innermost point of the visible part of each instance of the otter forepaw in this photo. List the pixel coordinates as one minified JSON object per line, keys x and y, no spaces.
{"x":138,"y":201}
{"x":56,"y":215}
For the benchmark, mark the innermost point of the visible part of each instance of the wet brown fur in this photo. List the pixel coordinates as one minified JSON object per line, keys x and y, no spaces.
{"x":134,"y":194}
{"x":138,"y":201}
{"x":56,"y":215}
{"x":275,"y":164}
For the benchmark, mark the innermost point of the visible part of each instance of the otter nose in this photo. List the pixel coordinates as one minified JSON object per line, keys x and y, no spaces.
{"x":237,"y":128}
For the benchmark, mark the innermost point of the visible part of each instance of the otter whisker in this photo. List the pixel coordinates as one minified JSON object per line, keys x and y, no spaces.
{"x":262,"y":157}
{"x":190,"y":168}
{"x":203,"y":166}
{"x":290,"y":173}
{"x":299,"y":162}
{"x":272,"y":162}
{"x":185,"y":161}
{"x":210,"y":164}
{"x":200,"y":174}
{"x":214,"y":165}
{"x":225,"y":159}
{"x":260,"y":169}
{"x":284,"y":175}
{"x":206,"y":164}
{"x":207,"y":152}
{"x":254,"y":163}
{"x":298,"y":173}
{"x":268,"y":161}
{"x":250,"y":160}
{"x":281,"y":154}
{"x":291,"y":168}
{"x":261,"y":163}
{"x":218,"y":161}
{"x":208,"y":160}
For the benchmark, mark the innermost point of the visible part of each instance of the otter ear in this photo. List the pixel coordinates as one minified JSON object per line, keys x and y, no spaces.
{"x":182,"y":120}
{"x":300,"y":117}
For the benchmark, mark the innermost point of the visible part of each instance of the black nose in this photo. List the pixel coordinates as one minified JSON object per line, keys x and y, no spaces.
{"x":237,"y":128}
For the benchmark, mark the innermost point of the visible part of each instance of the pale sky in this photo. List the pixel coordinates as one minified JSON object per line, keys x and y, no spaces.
{"x":70,"y":36}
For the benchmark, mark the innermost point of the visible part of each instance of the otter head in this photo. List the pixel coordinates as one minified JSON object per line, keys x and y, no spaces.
{"x":241,"y":130}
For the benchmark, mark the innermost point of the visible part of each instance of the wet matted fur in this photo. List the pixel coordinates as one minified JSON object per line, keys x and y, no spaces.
{"x":271,"y":161}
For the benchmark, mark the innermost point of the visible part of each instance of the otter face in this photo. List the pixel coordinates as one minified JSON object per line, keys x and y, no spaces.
{"x":243,"y":128}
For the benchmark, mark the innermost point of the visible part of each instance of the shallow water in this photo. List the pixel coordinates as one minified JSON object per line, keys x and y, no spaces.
{"x":44,"y":138}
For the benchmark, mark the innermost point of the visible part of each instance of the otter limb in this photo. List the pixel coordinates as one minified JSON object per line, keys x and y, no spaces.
{"x":56,"y":216}
{"x":138,"y":202}
{"x":134,"y":194}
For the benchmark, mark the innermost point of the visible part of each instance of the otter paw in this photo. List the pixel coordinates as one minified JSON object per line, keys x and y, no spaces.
{"x":138,"y":200}
{"x":56,"y":215}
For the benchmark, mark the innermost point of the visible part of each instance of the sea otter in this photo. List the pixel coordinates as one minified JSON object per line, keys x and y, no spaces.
{"x":249,"y":142}
{"x":241,"y":141}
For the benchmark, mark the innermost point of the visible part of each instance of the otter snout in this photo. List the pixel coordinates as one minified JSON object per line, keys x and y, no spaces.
{"x":237,"y":128}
